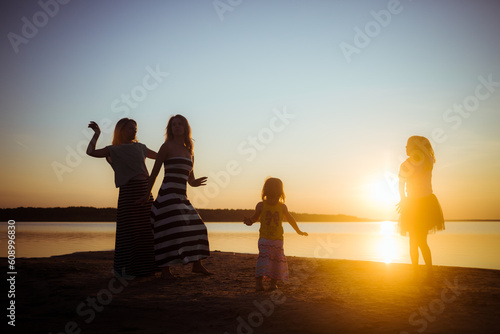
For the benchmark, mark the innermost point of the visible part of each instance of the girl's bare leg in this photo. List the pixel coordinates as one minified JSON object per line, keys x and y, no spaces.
{"x":414,"y":254}
{"x":274,"y":284}
{"x":426,"y":254}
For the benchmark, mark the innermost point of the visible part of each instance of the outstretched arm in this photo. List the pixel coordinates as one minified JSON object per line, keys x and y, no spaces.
{"x":292,"y":221}
{"x":160,"y":157}
{"x":255,"y":216}
{"x":91,"y":150}
{"x":151,"y":154}
{"x":194,"y":182}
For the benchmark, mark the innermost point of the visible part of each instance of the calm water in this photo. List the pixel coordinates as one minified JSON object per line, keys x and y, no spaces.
{"x":464,"y":244}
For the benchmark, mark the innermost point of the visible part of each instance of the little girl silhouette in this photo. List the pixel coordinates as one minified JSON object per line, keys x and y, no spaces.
{"x":420,"y":211}
{"x":271,"y":261}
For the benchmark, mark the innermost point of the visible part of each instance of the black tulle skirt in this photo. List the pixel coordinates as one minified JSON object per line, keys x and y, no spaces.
{"x":421,"y":215}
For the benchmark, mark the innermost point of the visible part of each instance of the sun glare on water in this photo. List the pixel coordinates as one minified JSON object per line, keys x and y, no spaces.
{"x":387,"y":245}
{"x":383,"y":194}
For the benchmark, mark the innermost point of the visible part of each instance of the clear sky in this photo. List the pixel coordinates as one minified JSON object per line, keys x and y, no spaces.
{"x":322,"y":94}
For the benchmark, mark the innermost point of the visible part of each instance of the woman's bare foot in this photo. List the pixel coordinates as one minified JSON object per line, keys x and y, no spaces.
{"x":166,"y":274}
{"x":200,"y":269}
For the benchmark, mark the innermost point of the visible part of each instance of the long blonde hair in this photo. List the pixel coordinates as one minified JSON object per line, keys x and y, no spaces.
{"x":118,"y":137}
{"x":188,"y":141}
{"x":419,"y":149}
{"x":273,"y":189}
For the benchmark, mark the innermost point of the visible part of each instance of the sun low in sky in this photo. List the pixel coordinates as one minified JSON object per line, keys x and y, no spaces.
{"x":321,"y":94}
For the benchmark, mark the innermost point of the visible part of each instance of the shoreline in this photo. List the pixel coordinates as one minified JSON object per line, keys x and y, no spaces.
{"x":93,"y":214}
{"x":255,"y":254}
{"x":67,"y":293}
{"x":238,"y":221}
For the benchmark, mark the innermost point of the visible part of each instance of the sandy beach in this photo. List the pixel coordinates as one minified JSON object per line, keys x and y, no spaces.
{"x":78,"y":293}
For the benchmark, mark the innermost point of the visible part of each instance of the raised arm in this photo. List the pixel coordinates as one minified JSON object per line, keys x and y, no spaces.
{"x":255,"y":216}
{"x":292,"y":221}
{"x":91,"y":150}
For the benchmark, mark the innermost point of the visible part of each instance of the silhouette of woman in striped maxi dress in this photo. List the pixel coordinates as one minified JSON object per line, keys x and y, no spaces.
{"x":180,"y":235}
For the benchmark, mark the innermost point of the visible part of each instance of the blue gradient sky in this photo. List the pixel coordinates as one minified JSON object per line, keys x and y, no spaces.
{"x":348,"y":119}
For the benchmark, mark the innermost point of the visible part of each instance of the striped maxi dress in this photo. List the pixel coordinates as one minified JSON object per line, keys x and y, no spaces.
{"x":180,"y":235}
{"x":134,"y":245}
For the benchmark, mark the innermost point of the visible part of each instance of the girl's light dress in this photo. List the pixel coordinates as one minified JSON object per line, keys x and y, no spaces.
{"x":271,"y":262}
{"x":421,"y":214}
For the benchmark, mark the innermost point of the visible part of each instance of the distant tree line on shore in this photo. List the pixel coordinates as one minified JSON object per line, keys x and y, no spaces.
{"x":91,"y":214}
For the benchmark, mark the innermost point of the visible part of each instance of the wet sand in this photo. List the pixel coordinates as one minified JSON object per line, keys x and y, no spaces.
{"x":78,"y":293}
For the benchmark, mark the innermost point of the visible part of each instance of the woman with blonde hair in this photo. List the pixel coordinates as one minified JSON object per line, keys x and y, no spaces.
{"x":180,"y":234}
{"x":134,"y":253}
{"x":420,"y":211}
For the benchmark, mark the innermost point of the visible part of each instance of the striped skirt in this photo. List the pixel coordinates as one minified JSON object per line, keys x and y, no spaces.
{"x":271,"y":262}
{"x":179,"y":232}
{"x":134,"y":247}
